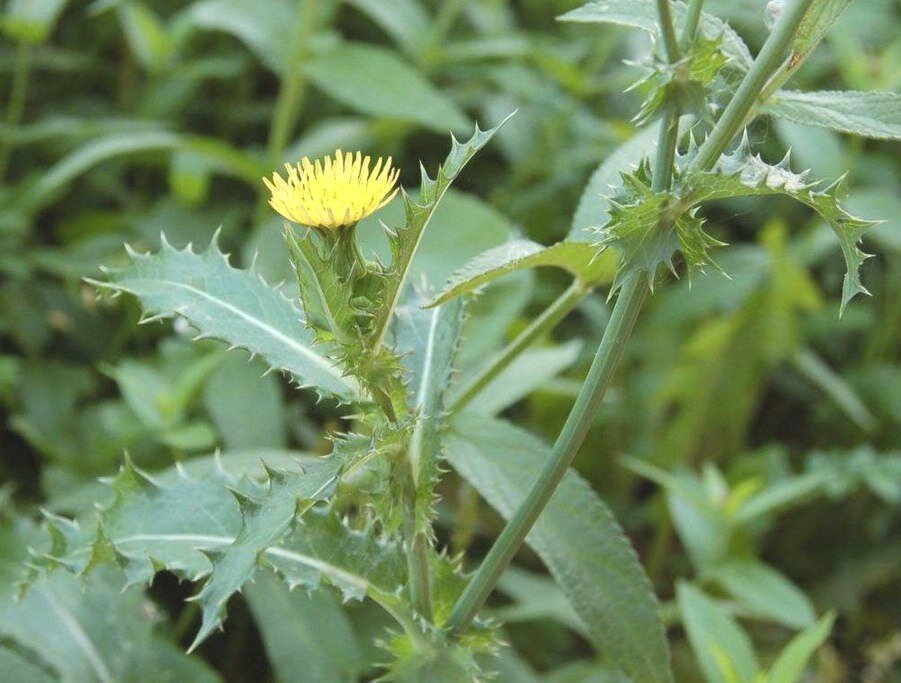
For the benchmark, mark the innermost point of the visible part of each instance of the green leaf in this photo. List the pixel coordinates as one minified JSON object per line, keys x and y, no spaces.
{"x":15,"y":667}
{"x":743,"y":174}
{"x":642,"y":14}
{"x":647,"y":228}
{"x":374,"y":81}
{"x":306,"y":634}
{"x":683,"y":84}
{"x":428,"y":342}
{"x":813,"y":28}
{"x":764,"y":592}
{"x":269,"y":35}
{"x":146,"y":35}
{"x":224,"y":529}
{"x":326,"y":295}
{"x":404,"y":20}
{"x":219,"y":155}
{"x":870,"y":114}
{"x":233,"y":305}
{"x":266,"y":519}
{"x":721,"y":647}
{"x":358,"y":562}
{"x":535,"y":597}
{"x":837,"y":388}
{"x":577,"y":538}
{"x":405,"y":241}
{"x":91,"y":630}
{"x":593,"y":209}
{"x":30,"y":21}
{"x":525,"y":374}
{"x":236,"y":384}
{"x":790,"y":664}
{"x":581,"y":260}
{"x":462,"y":227}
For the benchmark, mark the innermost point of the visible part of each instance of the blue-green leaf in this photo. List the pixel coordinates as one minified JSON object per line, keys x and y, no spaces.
{"x":233,"y":305}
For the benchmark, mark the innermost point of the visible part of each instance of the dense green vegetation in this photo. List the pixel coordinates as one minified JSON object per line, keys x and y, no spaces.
{"x":749,"y":444}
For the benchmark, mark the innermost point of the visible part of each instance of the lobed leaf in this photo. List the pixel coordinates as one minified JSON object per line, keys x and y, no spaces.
{"x":870,"y":114}
{"x":266,"y":519}
{"x":404,"y":241}
{"x":225,"y":529}
{"x":578,"y":539}
{"x":743,"y":174}
{"x":233,"y":305}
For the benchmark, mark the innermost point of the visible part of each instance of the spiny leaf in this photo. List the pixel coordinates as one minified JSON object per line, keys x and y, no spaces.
{"x":683,"y":84}
{"x":428,"y":341}
{"x":648,"y":227}
{"x":326,"y":297}
{"x":744,"y":174}
{"x":576,"y":536}
{"x":233,"y":305}
{"x":208,"y":527}
{"x":580,"y":259}
{"x":404,"y":241}
{"x":266,"y":519}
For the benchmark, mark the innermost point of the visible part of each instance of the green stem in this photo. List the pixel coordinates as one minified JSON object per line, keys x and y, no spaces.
{"x":548,"y":319}
{"x":418,"y":569}
{"x":625,"y":312}
{"x":692,"y":19}
{"x":768,"y":61}
{"x":16,"y":106}
{"x":667,"y":28}
{"x":662,"y":173}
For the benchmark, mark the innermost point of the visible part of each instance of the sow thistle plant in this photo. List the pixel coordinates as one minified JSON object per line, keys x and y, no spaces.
{"x":360,"y":333}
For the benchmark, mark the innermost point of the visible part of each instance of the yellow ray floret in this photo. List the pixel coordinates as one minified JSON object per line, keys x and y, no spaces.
{"x":332,"y":192}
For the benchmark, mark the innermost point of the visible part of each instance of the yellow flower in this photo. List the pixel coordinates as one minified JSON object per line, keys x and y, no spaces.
{"x":333,"y":192}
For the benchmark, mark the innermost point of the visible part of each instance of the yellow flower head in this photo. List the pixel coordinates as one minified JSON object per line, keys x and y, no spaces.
{"x":332,"y":192}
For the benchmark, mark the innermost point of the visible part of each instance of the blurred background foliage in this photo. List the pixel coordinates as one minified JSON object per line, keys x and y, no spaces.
{"x":751,"y":445}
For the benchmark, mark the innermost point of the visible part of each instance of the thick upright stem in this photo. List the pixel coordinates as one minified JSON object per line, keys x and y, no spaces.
{"x":625,"y":312}
{"x":768,"y":61}
{"x":548,"y":319}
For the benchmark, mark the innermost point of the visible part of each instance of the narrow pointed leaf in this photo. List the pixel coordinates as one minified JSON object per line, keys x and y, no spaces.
{"x":579,"y":259}
{"x":578,"y":539}
{"x":870,"y":114}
